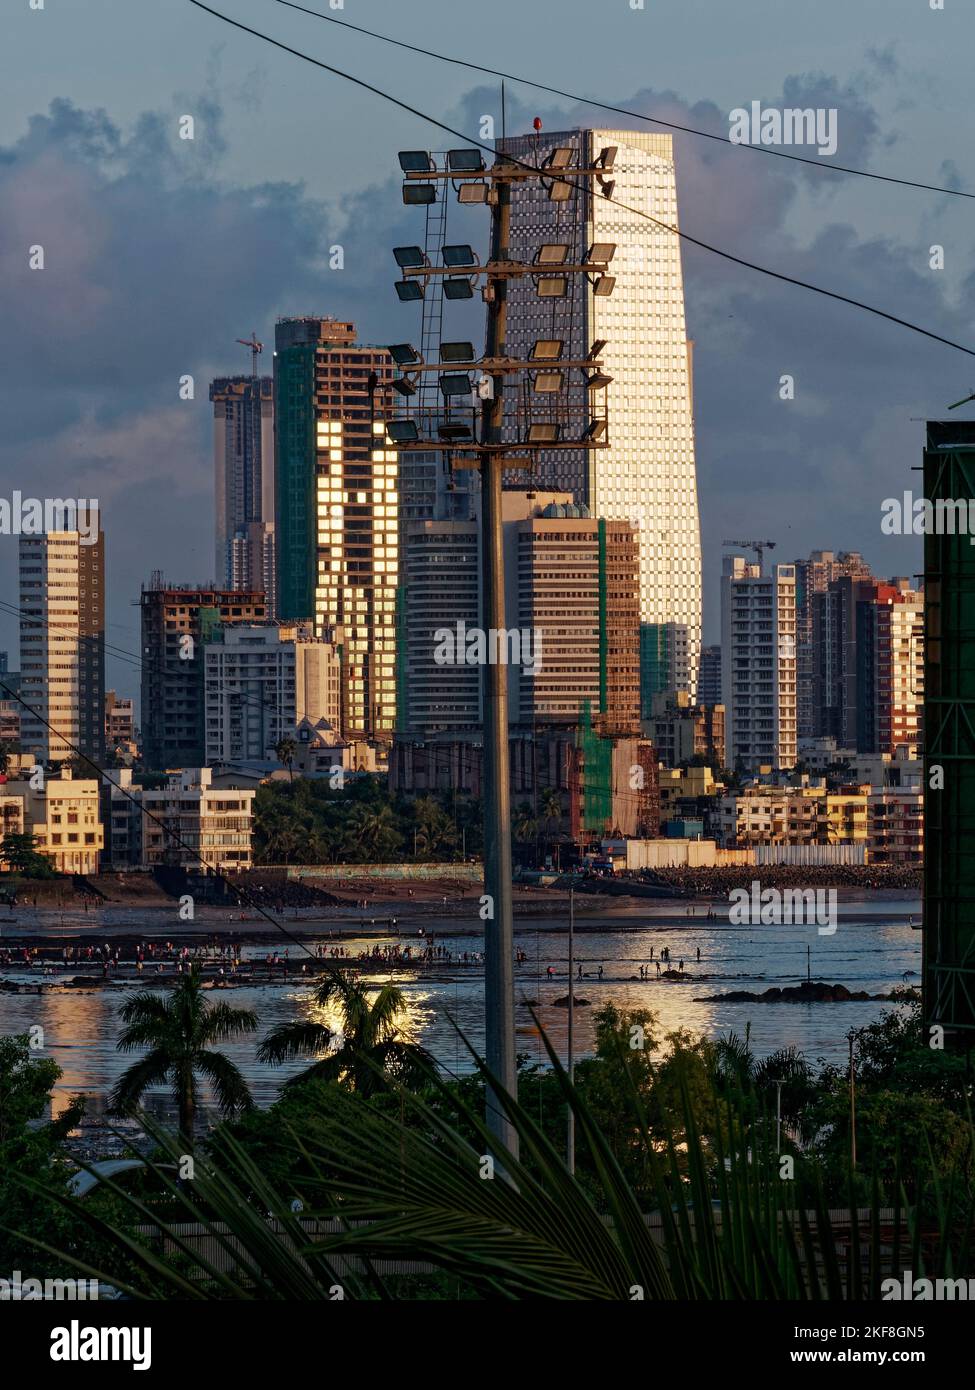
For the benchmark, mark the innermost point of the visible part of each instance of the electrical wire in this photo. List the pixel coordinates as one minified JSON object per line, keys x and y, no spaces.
{"x":565,"y":176}
{"x":623,"y":110}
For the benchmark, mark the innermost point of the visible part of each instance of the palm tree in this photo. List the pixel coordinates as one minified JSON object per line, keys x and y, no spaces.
{"x":370,"y":1046}
{"x":285,"y":750}
{"x":433,"y":827}
{"x":371,"y":834}
{"x":525,"y":825}
{"x":177,"y":1033}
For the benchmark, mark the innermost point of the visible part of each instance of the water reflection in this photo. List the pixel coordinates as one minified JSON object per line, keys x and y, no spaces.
{"x":872,"y":951}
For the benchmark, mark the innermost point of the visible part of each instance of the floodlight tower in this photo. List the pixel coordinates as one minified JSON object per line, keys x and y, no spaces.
{"x":546,"y":415}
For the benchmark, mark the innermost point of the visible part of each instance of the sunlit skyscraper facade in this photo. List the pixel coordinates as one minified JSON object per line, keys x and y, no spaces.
{"x":648,"y":474}
{"x":337,"y":508}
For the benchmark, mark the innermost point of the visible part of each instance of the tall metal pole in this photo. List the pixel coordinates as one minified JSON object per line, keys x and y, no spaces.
{"x":499,"y":982}
{"x":853,"y":1113}
{"x":570,"y":1137}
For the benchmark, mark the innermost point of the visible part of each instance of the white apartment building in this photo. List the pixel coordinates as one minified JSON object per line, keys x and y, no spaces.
{"x":192,"y":824}
{"x":63,"y":816}
{"x":758,"y":669}
{"x":647,"y":475}
{"x":62,"y":634}
{"x":261,"y":682}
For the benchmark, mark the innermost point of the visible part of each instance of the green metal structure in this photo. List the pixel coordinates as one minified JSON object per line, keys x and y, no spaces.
{"x":656,"y":661}
{"x":949,"y":740}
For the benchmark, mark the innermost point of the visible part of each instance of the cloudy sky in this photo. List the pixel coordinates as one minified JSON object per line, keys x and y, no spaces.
{"x":160,"y":252}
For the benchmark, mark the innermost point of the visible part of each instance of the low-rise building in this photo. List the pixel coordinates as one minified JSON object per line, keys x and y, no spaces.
{"x":122,"y":816}
{"x":896,"y":826}
{"x":62,"y":814}
{"x":11,"y":817}
{"x":810,"y":814}
{"x":682,"y":730}
{"x":191,"y":824}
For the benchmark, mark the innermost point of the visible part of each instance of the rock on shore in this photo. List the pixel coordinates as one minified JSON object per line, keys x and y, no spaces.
{"x":809,"y":992}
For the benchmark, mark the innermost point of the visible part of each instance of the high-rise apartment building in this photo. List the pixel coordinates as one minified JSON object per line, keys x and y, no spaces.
{"x":576,"y":593}
{"x":709,"y":677}
{"x":571,"y":605}
{"x":243,"y":454}
{"x":647,"y":475}
{"x":441,"y":587}
{"x":177,"y":623}
{"x":814,"y":576}
{"x":868,"y":664}
{"x":261,"y":682}
{"x":62,"y":645}
{"x":337,"y":508}
{"x":758,"y":656}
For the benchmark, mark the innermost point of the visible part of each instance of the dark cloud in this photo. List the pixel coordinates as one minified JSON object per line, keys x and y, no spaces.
{"x":156,"y":263}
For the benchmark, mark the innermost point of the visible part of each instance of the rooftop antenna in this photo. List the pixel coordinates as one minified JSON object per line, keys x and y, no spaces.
{"x":255,"y":348}
{"x":963,"y":401}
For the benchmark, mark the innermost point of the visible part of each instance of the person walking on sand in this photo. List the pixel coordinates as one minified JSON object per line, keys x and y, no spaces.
{"x":658,"y":969}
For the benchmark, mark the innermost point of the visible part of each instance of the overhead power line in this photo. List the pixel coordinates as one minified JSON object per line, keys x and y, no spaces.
{"x":623,"y":110}
{"x":566,"y":177}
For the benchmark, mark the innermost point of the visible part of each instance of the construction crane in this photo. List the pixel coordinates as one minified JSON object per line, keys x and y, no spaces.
{"x":255,"y":348}
{"x":759,"y":548}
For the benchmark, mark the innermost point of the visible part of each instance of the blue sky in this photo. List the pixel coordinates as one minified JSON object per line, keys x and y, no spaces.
{"x":160,"y":252}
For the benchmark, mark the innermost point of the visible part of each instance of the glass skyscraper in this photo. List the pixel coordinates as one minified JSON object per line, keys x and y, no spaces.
{"x":647,"y":475}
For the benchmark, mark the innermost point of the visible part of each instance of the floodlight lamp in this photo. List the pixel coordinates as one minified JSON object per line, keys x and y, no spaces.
{"x":552,"y":286}
{"x":408,"y":257}
{"x":453,"y":434}
{"x":455,"y":384}
{"x":404,"y":386}
{"x":415,"y":162}
{"x":457,"y":352}
{"x":604,"y":285}
{"x":548,"y":382}
{"x":403,"y":354}
{"x":548,"y":349}
{"x":459,"y":255}
{"x":607,"y":157}
{"x":559,"y":158}
{"x":596,"y":381}
{"x":456,"y":287}
{"x":409,"y":290}
{"x":543,"y":433}
{"x":596,"y":349}
{"x":601,"y":252}
{"x":465,"y":161}
{"x":596,"y":429}
{"x":552,"y":253}
{"x":559,"y":191}
{"x":607,"y":186}
{"x":402,"y":431}
{"x":473,"y":193}
{"x":417,"y":194}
